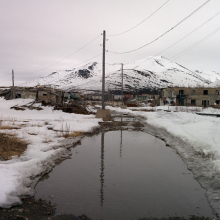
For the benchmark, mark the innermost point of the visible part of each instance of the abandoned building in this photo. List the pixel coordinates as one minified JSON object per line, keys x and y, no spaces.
{"x":185,"y":96}
{"x":49,"y":95}
{"x":46,"y":94}
{"x":146,"y":97}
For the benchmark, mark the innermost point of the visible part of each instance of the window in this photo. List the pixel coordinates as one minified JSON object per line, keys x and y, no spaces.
{"x":181,"y":92}
{"x":205,"y":103}
{"x":193,"y":102}
{"x":217,"y":92}
{"x":44,"y":94}
{"x":193,"y":91}
{"x":217,"y":102}
{"x":205,"y":92}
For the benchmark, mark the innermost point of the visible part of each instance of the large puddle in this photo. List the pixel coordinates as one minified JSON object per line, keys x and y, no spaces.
{"x":124,"y":175}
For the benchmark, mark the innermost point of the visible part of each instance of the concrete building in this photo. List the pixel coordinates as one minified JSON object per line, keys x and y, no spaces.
{"x":46,"y":94}
{"x":49,"y":95}
{"x":185,"y":96}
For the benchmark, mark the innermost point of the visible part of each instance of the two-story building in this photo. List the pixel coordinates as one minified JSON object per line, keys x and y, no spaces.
{"x":196,"y":96}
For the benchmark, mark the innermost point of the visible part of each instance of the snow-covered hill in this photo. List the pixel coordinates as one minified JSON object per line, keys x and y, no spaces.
{"x":212,"y":76}
{"x":150,"y":73}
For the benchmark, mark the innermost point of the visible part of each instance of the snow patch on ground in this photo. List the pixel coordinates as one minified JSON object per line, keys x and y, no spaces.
{"x":44,"y":131}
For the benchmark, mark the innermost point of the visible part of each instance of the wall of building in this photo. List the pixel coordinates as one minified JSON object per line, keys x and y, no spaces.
{"x":25,"y":94}
{"x":198,"y":96}
{"x":48,"y":96}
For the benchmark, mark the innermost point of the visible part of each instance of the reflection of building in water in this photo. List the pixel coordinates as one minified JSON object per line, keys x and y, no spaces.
{"x":102,"y":170}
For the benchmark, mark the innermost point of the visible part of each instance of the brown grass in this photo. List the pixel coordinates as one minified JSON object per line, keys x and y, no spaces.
{"x":10,"y":145}
{"x":7,"y":128}
{"x":72,"y":134}
{"x":66,"y":133}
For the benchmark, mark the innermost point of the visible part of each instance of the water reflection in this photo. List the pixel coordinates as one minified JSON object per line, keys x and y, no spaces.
{"x":121,"y":141}
{"x":102,"y":169}
{"x":148,"y":180}
{"x":102,"y":174}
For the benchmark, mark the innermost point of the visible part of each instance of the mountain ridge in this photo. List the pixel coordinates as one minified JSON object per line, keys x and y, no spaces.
{"x":150,"y":73}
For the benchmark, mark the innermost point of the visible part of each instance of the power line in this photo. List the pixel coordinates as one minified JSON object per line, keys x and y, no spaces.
{"x":165,"y":32}
{"x":186,"y":35}
{"x":86,"y":60}
{"x":68,"y":55}
{"x":114,"y":35}
{"x":182,"y":52}
{"x":196,"y":44}
{"x":187,"y":49}
{"x":189,"y":33}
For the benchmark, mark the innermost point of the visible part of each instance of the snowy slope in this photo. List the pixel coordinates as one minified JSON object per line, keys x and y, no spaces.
{"x":215,"y":84}
{"x":150,"y":73}
{"x":212,"y":76}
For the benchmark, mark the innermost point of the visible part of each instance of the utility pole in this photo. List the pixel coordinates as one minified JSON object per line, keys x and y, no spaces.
{"x":103,"y":113}
{"x":13,"y":91}
{"x":122,"y":84}
{"x":103,"y":72}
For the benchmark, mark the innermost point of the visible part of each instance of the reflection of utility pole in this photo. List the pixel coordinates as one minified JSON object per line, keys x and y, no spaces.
{"x":121,"y":140}
{"x":102,"y":171}
{"x":122,"y":84}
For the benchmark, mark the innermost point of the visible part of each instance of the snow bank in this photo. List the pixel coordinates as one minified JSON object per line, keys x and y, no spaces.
{"x":202,"y":132}
{"x":43,"y":130}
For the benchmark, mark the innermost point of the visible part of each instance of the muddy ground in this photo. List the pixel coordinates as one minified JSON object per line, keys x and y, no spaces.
{"x":32,"y":209}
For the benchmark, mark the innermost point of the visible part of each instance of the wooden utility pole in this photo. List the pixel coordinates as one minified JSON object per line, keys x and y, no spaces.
{"x":103,"y":72}
{"x":13,"y":90}
{"x":122,"y":84}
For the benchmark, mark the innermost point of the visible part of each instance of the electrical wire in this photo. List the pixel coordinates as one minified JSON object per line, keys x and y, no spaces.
{"x":187,"y":49}
{"x":186,"y":35}
{"x":189,"y":33}
{"x":196,"y":44}
{"x":201,"y":6}
{"x":86,"y":60}
{"x":68,"y":55}
{"x":114,"y":35}
{"x":182,"y":52}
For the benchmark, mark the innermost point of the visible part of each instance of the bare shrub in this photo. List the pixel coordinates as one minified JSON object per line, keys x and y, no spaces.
{"x":66,"y":133}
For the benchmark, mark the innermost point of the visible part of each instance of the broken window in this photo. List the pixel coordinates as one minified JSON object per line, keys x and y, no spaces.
{"x":205,"y":92}
{"x":205,"y":103}
{"x":193,"y":91}
{"x":217,"y":102}
{"x":181,"y":92}
{"x":217,"y":92}
{"x":193,"y":102}
{"x":44,"y":94}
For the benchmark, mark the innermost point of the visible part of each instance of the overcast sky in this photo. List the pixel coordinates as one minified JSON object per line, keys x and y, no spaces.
{"x":35,"y":34}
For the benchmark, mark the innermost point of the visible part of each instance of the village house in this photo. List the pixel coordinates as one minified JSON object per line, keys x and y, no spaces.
{"x":49,"y":95}
{"x":46,"y":94}
{"x":185,"y":96}
{"x":25,"y":93}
